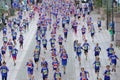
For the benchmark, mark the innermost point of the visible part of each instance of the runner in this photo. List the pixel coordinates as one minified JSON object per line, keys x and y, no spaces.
{"x":44,"y":72}
{"x":57,"y":75}
{"x":79,"y":52}
{"x":36,"y":58}
{"x":113,"y":59}
{"x":84,"y":74}
{"x":4,"y":71}
{"x":110,"y":50}
{"x":21,"y":39}
{"x":97,"y":66}
{"x":65,"y":30}
{"x":14,"y":54}
{"x":55,"y":63}
{"x":30,"y":68}
{"x":92,"y":31}
{"x":64,"y":57}
{"x":97,"y":50}
{"x":44,"y":42}
{"x":86,"y":46}
{"x":83,"y":30}
{"x":10,"y":46}
{"x":99,"y":24}
{"x":107,"y":73}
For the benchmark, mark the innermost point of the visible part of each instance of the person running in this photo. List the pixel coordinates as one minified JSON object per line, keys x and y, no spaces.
{"x":14,"y":36}
{"x":92,"y":31}
{"x":3,"y":50}
{"x":4,"y":71}
{"x":44,"y":42}
{"x":83,"y":30}
{"x":79,"y":52}
{"x":110,"y":50}
{"x":52,"y":41}
{"x":30,"y":68}
{"x":21,"y":39}
{"x":10,"y":46}
{"x":85,"y":48}
{"x":99,"y":24}
{"x":65,"y":30}
{"x":57,"y":74}
{"x":97,"y":50}
{"x":107,"y":73}
{"x":44,"y":62}
{"x":113,"y":59}
{"x":60,"y":40}
{"x":55,"y":63}
{"x":75,"y":44}
{"x":5,"y":39}
{"x":36,"y":58}
{"x":97,"y":66}
{"x":14,"y":54}
{"x":84,"y":74}
{"x":44,"y":72}
{"x":64,"y":57}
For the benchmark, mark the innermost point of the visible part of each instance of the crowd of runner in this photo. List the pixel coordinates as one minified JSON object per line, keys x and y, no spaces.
{"x":53,"y":15}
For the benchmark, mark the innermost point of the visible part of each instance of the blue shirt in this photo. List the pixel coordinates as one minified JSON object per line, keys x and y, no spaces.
{"x":85,"y":46}
{"x":113,"y":58}
{"x":97,"y":64}
{"x":110,"y":50}
{"x":14,"y":52}
{"x":57,"y":75}
{"x":44,"y":71}
{"x":107,"y":74}
{"x":83,"y":76}
{"x":4,"y":70}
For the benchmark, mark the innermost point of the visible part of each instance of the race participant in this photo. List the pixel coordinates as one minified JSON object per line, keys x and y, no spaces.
{"x":65,"y":30}
{"x":99,"y":22}
{"x":75,"y":44}
{"x":85,"y":48}
{"x":21,"y":39}
{"x":53,"y":53}
{"x":44,"y":62}
{"x":92,"y":31}
{"x":110,"y":50}
{"x":5,"y":39}
{"x":60,"y":40}
{"x":30,"y":68}
{"x":97,"y":66}
{"x":84,"y":74}
{"x":79,"y":52}
{"x":97,"y":50}
{"x":44,"y":72}
{"x":114,"y":59}
{"x":10,"y":46}
{"x":57,"y":74}
{"x":14,"y":36}
{"x":107,"y":73}
{"x":52,"y":40}
{"x":55,"y":63}
{"x":14,"y":54}
{"x":4,"y":71}
{"x":44,"y":42}
{"x":3,"y":50}
{"x":64,"y":57}
{"x":36,"y":58}
{"x":83,"y":30}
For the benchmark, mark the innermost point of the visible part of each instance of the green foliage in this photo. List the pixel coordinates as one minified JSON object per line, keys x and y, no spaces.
{"x":98,"y":3}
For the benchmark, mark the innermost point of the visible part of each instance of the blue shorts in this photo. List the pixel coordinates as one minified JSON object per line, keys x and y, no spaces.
{"x":78,"y":53}
{"x":30,"y":72}
{"x":64,"y":62}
